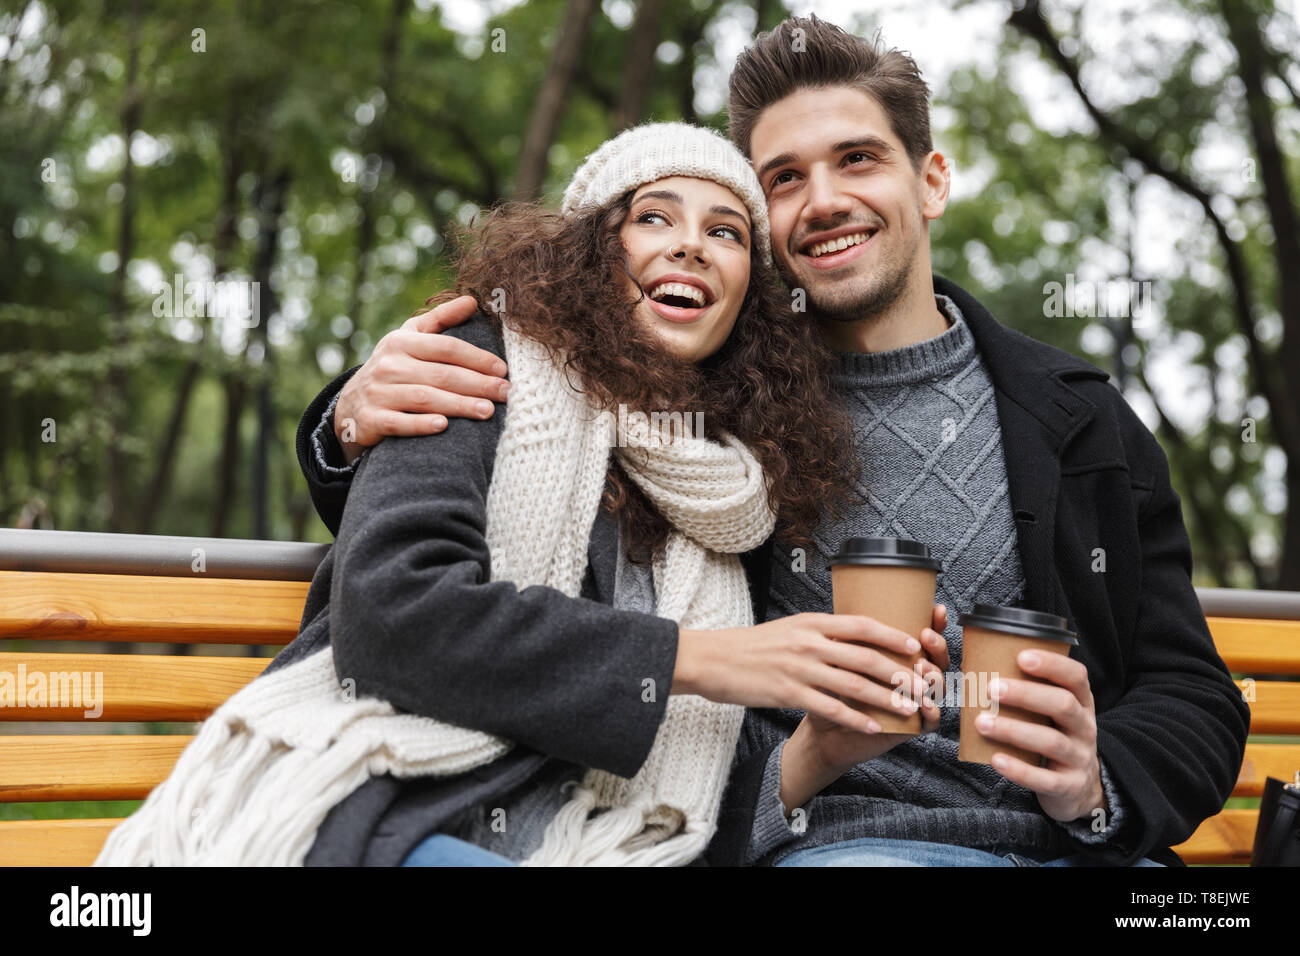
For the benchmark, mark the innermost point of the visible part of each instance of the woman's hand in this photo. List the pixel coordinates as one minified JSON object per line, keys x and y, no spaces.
{"x":839,"y":747}
{"x":803,"y":662}
{"x":821,"y":750}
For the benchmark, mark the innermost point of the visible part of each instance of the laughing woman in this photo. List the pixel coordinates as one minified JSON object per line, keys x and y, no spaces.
{"x":533,"y":640}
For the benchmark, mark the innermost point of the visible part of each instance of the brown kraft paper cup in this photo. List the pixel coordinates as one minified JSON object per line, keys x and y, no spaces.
{"x":988,"y":652}
{"x":901,"y":597}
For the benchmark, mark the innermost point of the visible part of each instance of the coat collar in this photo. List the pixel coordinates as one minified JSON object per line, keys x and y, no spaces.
{"x":1039,"y":413}
{"x":1030,"y":373}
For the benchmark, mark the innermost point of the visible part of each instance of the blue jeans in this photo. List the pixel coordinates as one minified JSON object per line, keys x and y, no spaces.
{"x":877,"y":851}
{"x":443,"y":850}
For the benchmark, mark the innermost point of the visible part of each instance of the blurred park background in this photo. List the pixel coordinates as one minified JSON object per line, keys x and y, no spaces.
{"x":324,"y":149}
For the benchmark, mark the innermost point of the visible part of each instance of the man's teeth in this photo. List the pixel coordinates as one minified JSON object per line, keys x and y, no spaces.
{"x":679,"y":289}
{"x":835,"y":245}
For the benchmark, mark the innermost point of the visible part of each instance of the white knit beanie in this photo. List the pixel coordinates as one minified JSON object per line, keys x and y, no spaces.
{"x":654,"y":151}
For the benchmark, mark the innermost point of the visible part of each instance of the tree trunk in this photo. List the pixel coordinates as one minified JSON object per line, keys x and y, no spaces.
{"x":374,"y":139}
{"x":549,"y":106}
{"x":223,"y":242}
{"x":270,"y":200}
{"x":118,"y":329}
{"x":1270,"y":373}
{"x":1244,"y":34}
{"x":638,"y":75}
{"x":692,"y":32}
{"x":6,"y":403}
{"x":227,"y":468}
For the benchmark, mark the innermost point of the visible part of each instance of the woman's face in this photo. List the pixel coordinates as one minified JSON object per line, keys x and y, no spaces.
{"x":688,"y":243}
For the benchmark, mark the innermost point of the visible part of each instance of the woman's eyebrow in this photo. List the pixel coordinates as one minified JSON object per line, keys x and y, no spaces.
{"x":728,"y":211}
{"x":667,"y":195}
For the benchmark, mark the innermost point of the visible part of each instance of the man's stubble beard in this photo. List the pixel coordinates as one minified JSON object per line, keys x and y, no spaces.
{"x":855,"y":300}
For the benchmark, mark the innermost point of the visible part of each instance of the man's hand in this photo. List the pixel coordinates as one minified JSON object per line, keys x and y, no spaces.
{"x":414,"y":379}
{"x":1069,"y":786}
{"x":821,"y":750}
{"x":933,"y":642}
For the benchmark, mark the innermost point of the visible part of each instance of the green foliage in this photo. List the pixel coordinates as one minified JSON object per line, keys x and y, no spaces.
{"x":386,"y":128}
{"x":1072,"y":203}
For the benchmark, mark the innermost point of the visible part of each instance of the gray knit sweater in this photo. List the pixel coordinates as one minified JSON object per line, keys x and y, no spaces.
{"x":927,"y":435}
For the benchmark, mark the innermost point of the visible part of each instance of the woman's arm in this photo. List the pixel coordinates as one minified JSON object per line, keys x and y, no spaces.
{"x":415,"y":619}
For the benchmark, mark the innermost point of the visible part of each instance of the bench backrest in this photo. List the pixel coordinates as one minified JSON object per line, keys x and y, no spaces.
{"x":115,"y":600}
{"x":77,"y":587}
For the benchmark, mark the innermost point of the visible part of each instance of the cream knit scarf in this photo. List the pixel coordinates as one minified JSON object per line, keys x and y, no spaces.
{"x":265,"y":769}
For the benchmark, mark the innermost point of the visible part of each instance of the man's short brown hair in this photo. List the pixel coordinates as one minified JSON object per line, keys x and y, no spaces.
{"x":807,"y":53}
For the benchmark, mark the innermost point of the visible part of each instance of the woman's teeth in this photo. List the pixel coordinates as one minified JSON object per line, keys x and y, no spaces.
{"x":835,"y":245}
{"x":678,"y":289}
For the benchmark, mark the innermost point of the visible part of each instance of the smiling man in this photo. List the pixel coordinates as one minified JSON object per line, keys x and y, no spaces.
{"x":1014,"y":461}
{"x":853,"y":203}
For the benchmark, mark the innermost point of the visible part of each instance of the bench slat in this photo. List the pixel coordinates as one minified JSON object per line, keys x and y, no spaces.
{"x":1226,"y":837}
{"x":1263,"y":761}
{"x":98,"y":767}
{"x":95,"y":767}
{"x":134,"y":686}
{"x":1276,"y":707}
{"x":161,"y":687}
{"x":53,"y":842}
{"x":1257,"y":647}
{"x":86,"y":767}
{"x":53,"y":606}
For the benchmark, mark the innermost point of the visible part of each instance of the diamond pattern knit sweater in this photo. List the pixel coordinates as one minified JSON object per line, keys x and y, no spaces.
{"x":928,"y":438}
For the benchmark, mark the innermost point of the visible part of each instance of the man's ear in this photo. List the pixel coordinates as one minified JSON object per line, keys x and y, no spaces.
{"x":936,"y":179}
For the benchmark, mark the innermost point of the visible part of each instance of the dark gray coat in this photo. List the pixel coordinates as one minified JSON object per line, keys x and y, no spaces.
{"x":405,"y":596}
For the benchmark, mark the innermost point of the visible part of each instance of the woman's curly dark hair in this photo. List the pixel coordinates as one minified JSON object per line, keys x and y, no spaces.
{"x":563,"y":281}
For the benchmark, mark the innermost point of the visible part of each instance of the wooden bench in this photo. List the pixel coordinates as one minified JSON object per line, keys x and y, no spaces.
{"x":68,"y":586}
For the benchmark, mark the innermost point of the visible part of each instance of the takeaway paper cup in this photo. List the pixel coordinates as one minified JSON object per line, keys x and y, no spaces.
{"x":991,"y":639}
{"x":893,"y":581}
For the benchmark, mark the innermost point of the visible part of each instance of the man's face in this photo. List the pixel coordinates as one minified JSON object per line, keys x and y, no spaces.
{"x":848,"y":210}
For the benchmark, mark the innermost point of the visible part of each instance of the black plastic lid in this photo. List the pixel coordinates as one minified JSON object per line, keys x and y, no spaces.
{"x":1019,"y":620}
{"x":898,"y":552}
